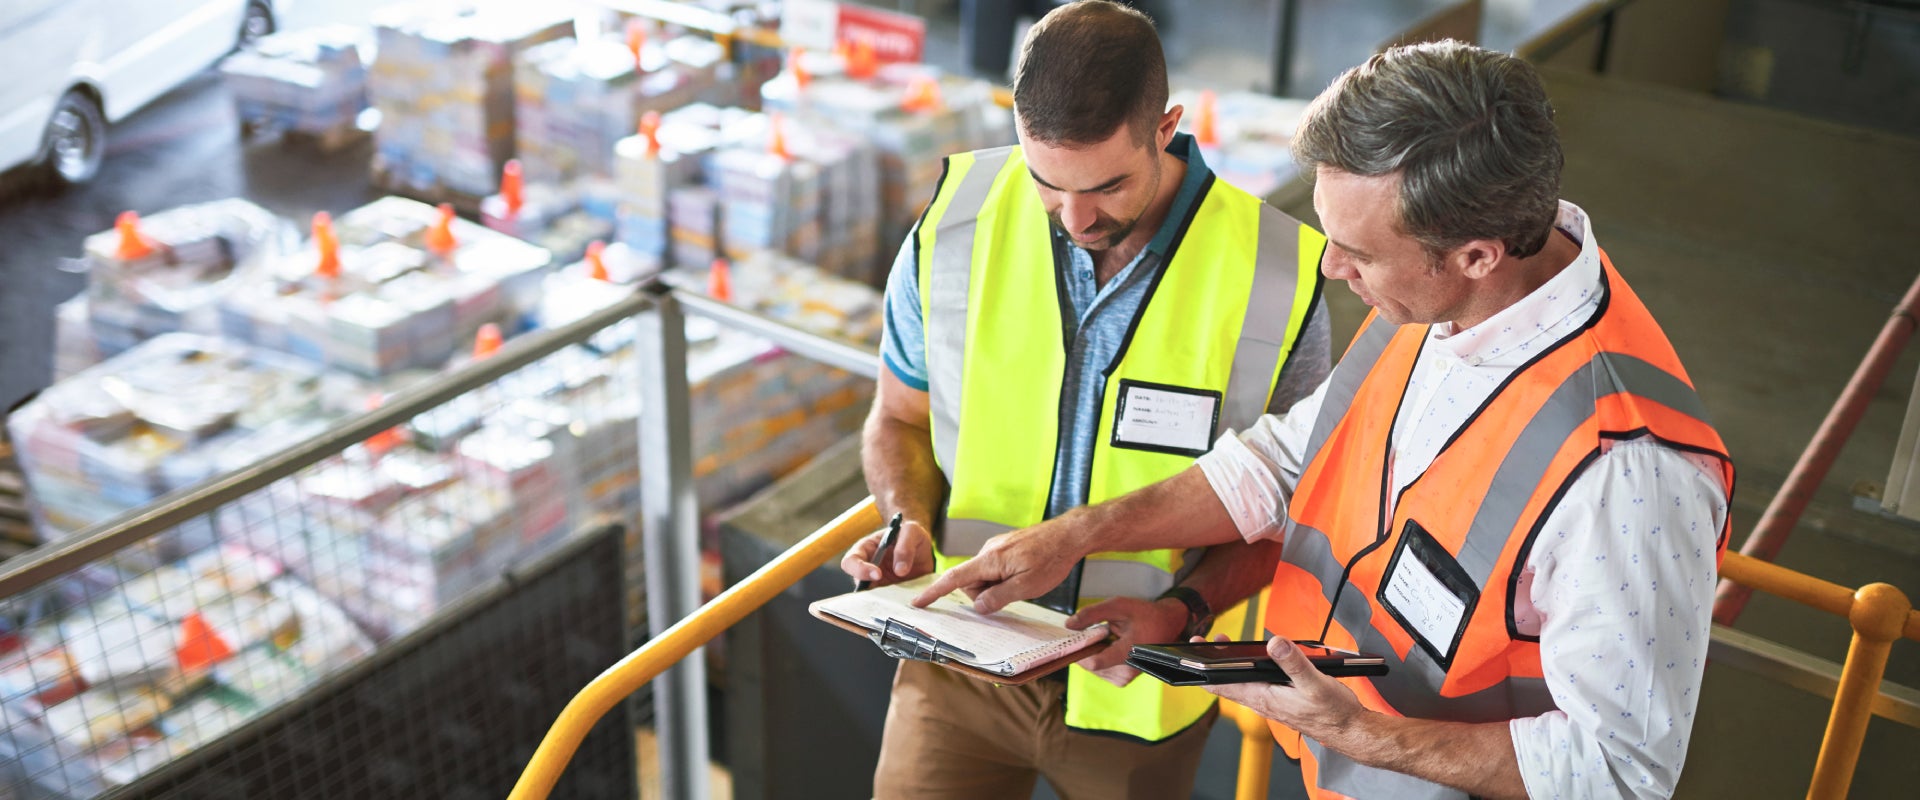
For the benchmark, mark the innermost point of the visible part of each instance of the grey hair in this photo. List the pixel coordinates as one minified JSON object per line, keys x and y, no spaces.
{"x":1469,"y":130}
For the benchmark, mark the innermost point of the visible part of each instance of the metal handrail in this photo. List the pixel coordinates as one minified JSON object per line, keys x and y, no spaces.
{"x":1879,"y":613}
{"x":1784,"y":510}
{"x":1256,"y":750}
{"x":686,"y":636}
{"x":824,"y":349}
{"x":45,"y":563}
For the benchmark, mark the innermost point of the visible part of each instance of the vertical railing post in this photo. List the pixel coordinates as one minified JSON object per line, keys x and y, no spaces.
{"x":1256,"y":751}
{"x":670,"y":536}
{"x":1879,"y":616}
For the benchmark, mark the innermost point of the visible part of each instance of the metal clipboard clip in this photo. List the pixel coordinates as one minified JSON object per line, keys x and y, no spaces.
{"x":903,"y":641}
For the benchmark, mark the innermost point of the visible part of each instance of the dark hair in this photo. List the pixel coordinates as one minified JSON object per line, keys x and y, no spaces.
{"x":1469,"y":130}
{"x":1085,"y":69}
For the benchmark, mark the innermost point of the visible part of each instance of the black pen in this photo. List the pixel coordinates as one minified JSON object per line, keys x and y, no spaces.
{"x":886,"y":544}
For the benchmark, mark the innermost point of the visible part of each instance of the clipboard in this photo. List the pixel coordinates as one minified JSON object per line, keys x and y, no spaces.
{"x":908,"y":644}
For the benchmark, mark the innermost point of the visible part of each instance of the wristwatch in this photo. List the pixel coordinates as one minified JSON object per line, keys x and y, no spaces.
{"x":1199,"y":616}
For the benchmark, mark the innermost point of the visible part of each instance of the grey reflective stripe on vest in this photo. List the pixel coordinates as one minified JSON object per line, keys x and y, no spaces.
{"x":1104,"y":578}
{"x":1412,"y":686}
{"x":1525,"y":464}
{"x":1346,"y":776}
{"x":1345,"y":381}
{"x":1101,"y":577}
{"x":1263,"y":330}
{"x":950,"y":279}
{"x":965,"y":537}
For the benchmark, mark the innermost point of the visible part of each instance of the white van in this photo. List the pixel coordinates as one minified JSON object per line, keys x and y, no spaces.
{"x":72,"y":66}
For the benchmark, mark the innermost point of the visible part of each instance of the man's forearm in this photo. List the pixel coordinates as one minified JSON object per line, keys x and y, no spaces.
{"x":1234,"y":571}
{"x":1476,"y":758}
{"x":900,"y":469}
{"x":1179,"y":512}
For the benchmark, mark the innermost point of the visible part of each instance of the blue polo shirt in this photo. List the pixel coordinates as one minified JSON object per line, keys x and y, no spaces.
{"x":1101,"y":316}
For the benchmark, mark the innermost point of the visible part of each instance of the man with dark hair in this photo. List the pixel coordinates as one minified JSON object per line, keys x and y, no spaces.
{"x":1507,"y":488}
{"x":1072,"y":319}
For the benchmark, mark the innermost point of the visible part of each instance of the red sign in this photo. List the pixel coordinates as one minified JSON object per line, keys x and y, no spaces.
{"x":894,"y":37}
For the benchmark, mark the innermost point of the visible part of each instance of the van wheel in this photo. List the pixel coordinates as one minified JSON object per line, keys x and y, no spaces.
{"x":257,"y":23}
{"x":76,"y":139}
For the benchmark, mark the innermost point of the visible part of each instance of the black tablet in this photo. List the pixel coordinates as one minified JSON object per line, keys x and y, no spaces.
{"x":1193,"y":664}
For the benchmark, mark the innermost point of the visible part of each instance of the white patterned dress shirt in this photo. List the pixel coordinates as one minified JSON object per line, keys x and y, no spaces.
{"x":1619,"y":584}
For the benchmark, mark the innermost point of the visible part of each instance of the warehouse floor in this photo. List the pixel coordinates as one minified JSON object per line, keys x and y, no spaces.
{"x":1750,"y":233}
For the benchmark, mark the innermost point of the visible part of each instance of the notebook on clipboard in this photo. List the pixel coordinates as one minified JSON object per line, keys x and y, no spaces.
{"x":1018,"y":644}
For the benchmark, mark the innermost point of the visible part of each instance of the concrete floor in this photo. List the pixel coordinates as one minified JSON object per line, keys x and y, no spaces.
{"x":1770,"y":246}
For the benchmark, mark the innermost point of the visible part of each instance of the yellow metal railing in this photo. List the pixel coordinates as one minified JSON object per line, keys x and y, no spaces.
{"x":1256,"y":750}
{"x":683,"y":638}
{"x":1879,"y":614}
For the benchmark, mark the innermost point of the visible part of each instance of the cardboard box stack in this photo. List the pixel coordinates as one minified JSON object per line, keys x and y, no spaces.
{"x":850,"y":182}
{"x":755,"y":422}
{"x":560,"y":219}
{"x":312,"y":81}
{"x":406,"y":285}
{"x":1244,"y":136}
{"x":169,"y":271}
{"x":164,"y":415}
{"x":576,"y":98}
{"x":443,"y":83}
{"x":912,"y":114}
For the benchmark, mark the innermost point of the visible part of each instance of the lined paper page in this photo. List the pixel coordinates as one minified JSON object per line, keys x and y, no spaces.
{"x":1009,"y":642}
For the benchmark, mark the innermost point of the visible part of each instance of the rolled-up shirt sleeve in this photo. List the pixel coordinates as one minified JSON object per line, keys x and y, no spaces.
{"x":1253,"y":473}
{"x":1621,"y":580}
{"x":903,"y":337}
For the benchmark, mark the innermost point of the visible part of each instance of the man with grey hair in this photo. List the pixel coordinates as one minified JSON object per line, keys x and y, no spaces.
{"x":1507,"y":488}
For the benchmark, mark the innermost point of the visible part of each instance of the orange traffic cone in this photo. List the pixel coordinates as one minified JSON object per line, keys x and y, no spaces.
{"x":923,"y":94}
{"x":328,"y":243}
{"x":134,"y":245}
{"x":513,"y":188}
{"x":383,"y":442}
{"x":862,"y":62}
{"x":777,"y":137}
{"x":1205,"y":127}
{"x":650,"y":128}
{"x":720,"y":281}
{"x":596,"y":262}
{"x":200,"y":646}
{"x":801,"y":77}
{"x":487,"y":341}
{"x":440,"y":236}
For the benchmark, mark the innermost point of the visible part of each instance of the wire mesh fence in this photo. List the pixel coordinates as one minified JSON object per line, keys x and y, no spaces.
{"x":236,"y":537}
{"x":118,"y":664}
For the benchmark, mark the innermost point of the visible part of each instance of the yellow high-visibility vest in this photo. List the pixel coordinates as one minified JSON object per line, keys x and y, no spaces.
{"x":1210,"y":338}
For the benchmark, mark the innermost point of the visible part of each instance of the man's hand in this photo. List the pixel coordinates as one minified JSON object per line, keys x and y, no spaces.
{"x":1315,"y":705}
{"x":1132,"y":621}
{"x":912,"y":556}
{"x":1020,"y":565}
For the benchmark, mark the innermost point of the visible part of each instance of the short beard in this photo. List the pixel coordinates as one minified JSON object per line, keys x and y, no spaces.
{"x":1125,"y":229}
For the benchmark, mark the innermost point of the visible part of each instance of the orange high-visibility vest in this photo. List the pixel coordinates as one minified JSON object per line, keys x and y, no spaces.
{"x":1482,"y":501}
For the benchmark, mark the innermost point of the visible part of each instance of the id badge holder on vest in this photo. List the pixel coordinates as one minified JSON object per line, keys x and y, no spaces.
{"x":1428,"y":593}
{"x":1165,"y":419}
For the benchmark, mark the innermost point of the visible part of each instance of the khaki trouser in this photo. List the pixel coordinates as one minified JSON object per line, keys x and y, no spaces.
{"x":951,"y":736}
